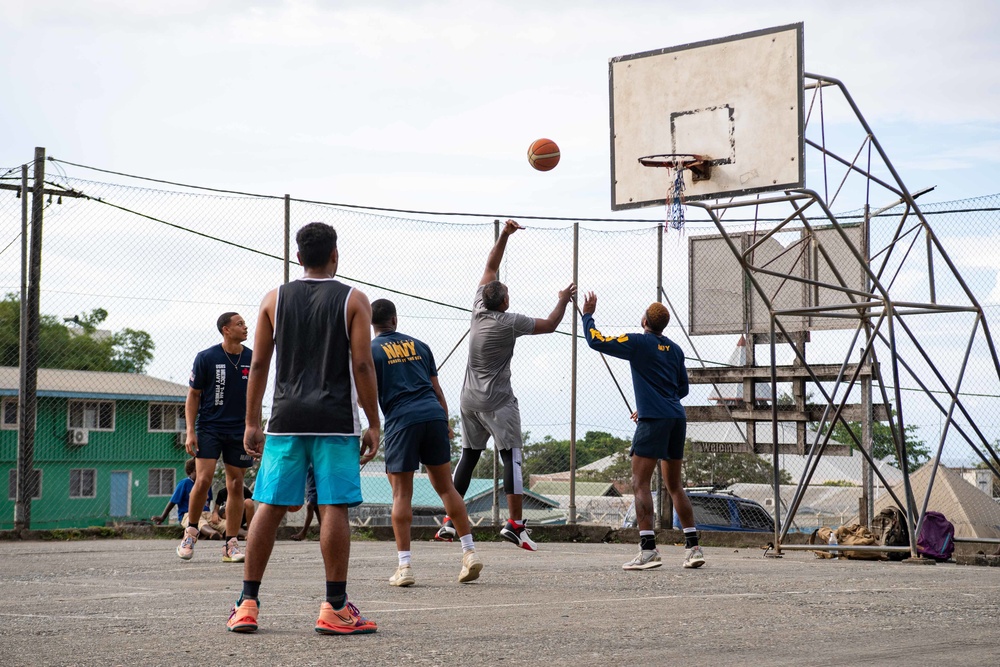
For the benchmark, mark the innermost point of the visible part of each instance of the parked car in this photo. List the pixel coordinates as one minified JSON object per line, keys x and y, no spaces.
{"x":719,"y":510}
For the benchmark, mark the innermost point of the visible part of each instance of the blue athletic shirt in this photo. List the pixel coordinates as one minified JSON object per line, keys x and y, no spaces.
{"x":404,"y":367}
{"x":659,"y":377}
{"x":222,"y":379}
{"x":182,"y":497}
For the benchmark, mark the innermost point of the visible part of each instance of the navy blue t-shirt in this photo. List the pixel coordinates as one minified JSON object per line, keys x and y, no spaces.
{"x":404,"y":367}
{"x":222,"y":380}
{"x":659,"y":377}
{"x":182,"y":497}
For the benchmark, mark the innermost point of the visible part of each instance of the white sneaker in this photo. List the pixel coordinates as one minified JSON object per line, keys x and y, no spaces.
{"x":231,"y":552}
{"x":186,"y":548}
{"x":646,"y":560}
{"x":518,"y":536}
{"x":471,"y":567}
{"x":403,"y":577}
{"x":694,"y":557}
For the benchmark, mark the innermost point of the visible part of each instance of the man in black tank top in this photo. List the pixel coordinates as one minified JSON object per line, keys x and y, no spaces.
{"x":318,"y":330}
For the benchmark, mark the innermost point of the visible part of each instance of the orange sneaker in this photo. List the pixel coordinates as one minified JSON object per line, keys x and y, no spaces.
{"x":244,"y":617}
{"x":346,"y":621}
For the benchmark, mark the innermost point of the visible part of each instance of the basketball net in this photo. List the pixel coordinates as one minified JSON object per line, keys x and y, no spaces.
{"x":675,"y":198}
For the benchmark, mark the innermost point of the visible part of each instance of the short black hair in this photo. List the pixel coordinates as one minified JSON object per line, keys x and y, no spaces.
{"x":494,"y":292}
{"x":316,"y":242}
{"x":383,"y":311}
{"x":189,"y":467}
{"x":224,"y":320}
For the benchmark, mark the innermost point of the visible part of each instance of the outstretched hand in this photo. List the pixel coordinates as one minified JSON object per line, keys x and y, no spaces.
{"x":568,"y":294}
{"x":510,"y":227}
{"x":589,"y":303}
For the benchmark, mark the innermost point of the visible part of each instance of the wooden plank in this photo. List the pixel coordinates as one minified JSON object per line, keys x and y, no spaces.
{"x":812,"y":413}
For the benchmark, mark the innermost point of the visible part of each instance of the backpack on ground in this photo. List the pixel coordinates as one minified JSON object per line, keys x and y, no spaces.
{"x":889,"y":528}
{"x":849,"y":535}
{"x":937,"y":537}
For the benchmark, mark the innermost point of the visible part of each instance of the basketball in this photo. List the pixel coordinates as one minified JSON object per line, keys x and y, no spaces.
{"x":294,"y":508}
{"x":543,"y":154}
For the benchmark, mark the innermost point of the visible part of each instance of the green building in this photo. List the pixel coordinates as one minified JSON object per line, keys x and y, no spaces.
{"x":108,"y":447}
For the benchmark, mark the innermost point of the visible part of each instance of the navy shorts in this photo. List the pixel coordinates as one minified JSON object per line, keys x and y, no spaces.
{"x":225,"y":446}
{"x":424,"y":442}
{"x":660,"y":439}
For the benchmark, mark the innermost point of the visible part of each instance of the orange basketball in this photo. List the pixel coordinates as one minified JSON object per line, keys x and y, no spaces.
{"x":543,"y":154}
{"x":294,"y":508}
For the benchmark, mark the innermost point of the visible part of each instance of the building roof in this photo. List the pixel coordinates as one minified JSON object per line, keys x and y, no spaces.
{"x":376,"y":490}
{"x":95,"y":384}
{"x":560,"y":488}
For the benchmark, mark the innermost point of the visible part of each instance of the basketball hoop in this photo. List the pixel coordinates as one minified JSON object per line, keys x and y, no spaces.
{"x":700,"y":168}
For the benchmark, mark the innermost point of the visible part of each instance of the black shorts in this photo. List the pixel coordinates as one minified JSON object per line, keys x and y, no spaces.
{"x":424,"y":442}
{"x":659,"y":439}
{"x":228,"y":447}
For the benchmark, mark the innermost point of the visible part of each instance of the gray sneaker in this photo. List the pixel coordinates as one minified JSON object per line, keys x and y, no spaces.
{"x":646,"y":560}
{"x":694,"y":557}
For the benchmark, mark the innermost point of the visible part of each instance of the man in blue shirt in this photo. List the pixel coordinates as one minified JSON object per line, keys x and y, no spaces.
{"x":181,"y":500}
{"x":217,"y":401}
{"x":416,"y":431}
{"x":660,"y":381}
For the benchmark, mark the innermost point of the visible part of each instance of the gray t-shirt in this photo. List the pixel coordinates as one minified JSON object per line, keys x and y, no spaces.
{"x":491,"y":346}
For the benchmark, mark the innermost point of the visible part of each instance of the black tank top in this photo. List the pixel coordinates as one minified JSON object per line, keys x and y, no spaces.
{"x":314,"y":392}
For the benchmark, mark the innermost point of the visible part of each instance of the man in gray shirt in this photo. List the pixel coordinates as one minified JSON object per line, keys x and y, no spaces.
{"x":488,"y":405}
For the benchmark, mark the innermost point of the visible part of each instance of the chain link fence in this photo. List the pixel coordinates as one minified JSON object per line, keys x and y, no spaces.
{"x":135,"y":273}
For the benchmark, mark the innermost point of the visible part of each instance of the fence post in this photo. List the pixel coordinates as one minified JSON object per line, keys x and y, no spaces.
{"x":496,"y":452}
{"x":660,"y":506}
{"x":572,"y":395}
{"x":288,"y":227}
{"x":27,"y":483}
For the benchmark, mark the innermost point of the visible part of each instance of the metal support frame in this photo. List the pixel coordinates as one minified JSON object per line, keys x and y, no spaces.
{"x":881,"y":323}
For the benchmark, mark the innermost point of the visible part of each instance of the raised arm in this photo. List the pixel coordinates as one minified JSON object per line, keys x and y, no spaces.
{"x":619,"y":347}
{"x":359,"y":322}
{"x":549,"y":324}
{"x":263,"y":349}
{"x":496,"y":253}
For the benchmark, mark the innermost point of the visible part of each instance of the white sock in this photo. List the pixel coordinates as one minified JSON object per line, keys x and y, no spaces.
{"x":643,"y":533}
{"x":404,"y":558}
{"x":688,"y":531}
{"x":467,"y":544}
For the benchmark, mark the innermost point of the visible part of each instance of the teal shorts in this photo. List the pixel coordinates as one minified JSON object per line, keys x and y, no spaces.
{"x":336,"y":461}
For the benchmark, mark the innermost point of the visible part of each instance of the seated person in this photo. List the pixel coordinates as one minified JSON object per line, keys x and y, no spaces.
{"x":219,"y":513}
{"x":181,"y":499}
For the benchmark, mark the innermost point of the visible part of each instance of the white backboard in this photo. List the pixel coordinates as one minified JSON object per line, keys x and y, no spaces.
{"x":736,"y":100}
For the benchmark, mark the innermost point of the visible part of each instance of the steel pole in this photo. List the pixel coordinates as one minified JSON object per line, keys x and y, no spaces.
{"x":572,"y":395}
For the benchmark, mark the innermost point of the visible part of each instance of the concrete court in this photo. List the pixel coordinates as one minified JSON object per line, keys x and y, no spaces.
{"x":132,"y":602}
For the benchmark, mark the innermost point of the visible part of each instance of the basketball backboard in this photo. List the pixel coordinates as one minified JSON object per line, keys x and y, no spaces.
{"x":736,"y":100}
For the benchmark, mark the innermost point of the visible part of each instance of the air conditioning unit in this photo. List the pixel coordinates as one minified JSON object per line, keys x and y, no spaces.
{"x":78,"y":436}
{"x":180,"y":439}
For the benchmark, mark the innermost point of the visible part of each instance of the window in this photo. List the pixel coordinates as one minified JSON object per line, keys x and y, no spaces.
{"x":8,"y":412}
{"x":83,"y":483}
{"x":710,"y":511}
{"x":35,"y":480}
{"x":92,"y":415}
{"x":167,"y":417}
{"x":753,"y":517}
{"x":161,"y":481}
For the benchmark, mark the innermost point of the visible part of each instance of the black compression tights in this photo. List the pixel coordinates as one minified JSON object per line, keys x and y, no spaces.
{"x":467,"y":464}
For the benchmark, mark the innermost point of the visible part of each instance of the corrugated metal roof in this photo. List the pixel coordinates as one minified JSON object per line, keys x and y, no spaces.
{"x":95,"y":384}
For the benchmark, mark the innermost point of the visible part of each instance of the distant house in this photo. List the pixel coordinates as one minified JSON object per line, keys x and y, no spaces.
{"x":108,"y":446}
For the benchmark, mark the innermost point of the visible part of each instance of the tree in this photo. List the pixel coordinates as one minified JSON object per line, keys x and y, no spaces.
{"x":549,"y":455}
{"x":80,"y":347}
{"x":723,"y":470}
{"x":883,"y":445}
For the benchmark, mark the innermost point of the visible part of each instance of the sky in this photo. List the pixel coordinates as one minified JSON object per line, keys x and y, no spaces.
{"x":431,"y":106}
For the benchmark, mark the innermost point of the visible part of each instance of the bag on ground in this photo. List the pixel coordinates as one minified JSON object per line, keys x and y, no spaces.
{"x":889,"y":528}
{"x":937,"y":537}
